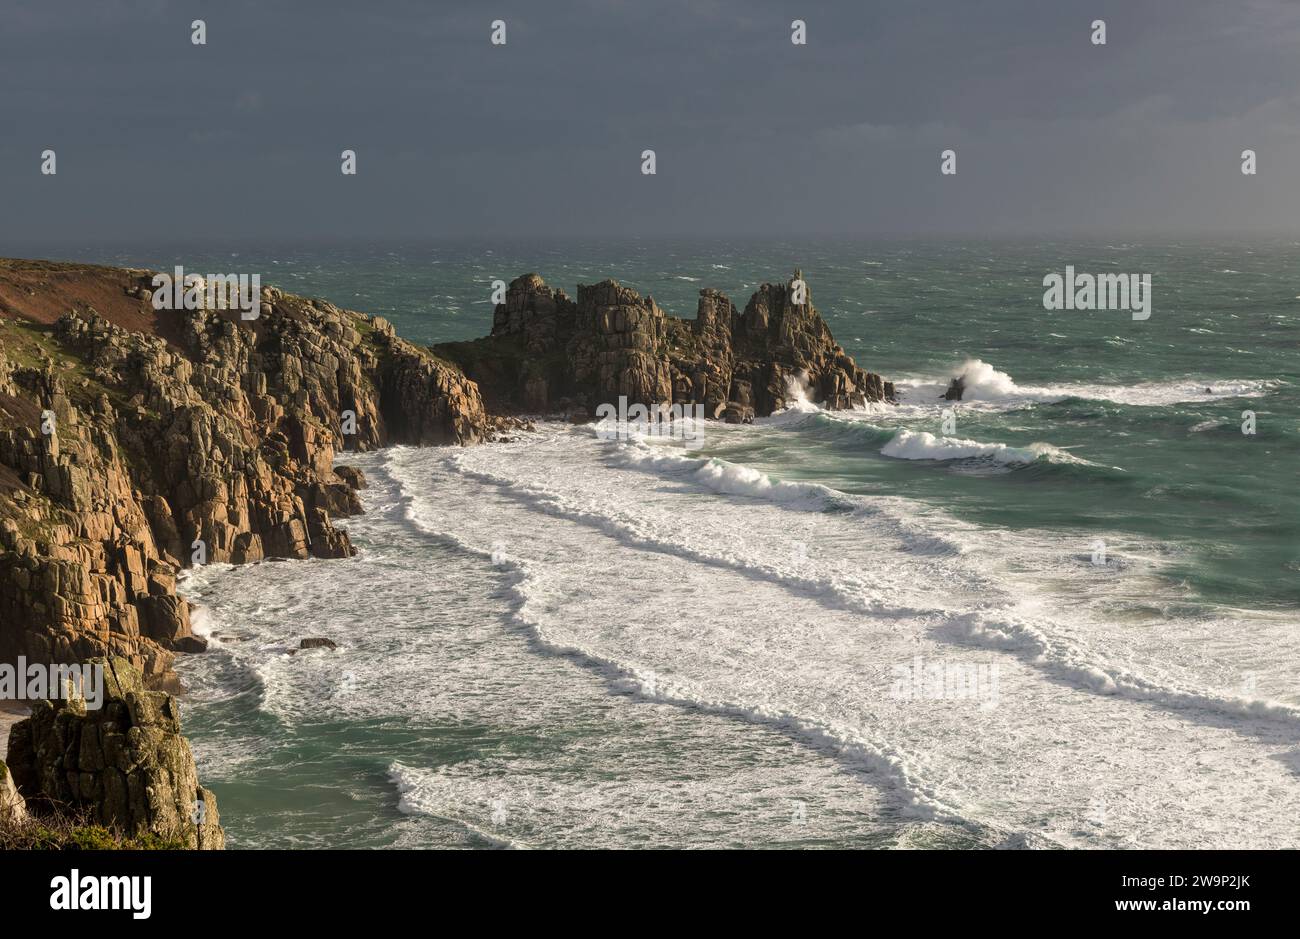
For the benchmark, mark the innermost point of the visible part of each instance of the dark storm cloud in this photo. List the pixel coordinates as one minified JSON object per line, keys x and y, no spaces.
{"x":241,"y":138}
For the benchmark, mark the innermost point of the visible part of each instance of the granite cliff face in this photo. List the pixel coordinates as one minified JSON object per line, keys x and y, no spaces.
{"x":124,"y":763}
{"x":550,"y":354}
{"x":135,"y":442}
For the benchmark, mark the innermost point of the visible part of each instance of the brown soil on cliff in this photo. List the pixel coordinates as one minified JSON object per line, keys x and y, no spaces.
{"x":42,"y":291}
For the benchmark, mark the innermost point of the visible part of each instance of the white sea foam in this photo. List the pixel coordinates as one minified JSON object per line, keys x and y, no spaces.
{"x":754,"y":651}
{"x":720,"y":476}
{"x":915,"y":798}
{"x":922,"y":445}
{"x":713,"y":591}
{"x":799,"y":394}
{"x":987,"y":387}
{"x":482,"y":813}
{"x":201,"y":623}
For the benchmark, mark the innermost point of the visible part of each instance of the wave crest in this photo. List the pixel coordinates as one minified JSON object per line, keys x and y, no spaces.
{"x":986,"y":386}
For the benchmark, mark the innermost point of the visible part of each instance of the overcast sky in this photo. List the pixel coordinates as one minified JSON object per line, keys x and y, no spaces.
{"x":156,"y":137}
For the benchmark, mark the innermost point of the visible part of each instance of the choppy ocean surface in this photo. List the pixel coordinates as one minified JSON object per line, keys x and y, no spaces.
{"x":1069,"y":621}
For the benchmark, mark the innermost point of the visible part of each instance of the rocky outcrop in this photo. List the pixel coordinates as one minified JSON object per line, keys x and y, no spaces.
{"x":777,"y":339}
{"x":617,"y":346}
{"x":125,"y":764}
{"x":136,"y":442}
{"x":550,"y":354}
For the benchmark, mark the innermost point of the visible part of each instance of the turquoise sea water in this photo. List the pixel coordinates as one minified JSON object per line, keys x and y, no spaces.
{"x":507,"y":686}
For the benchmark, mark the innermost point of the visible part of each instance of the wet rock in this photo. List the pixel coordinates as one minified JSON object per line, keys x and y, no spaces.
{"x":354,"y":477}
{"x":317,"y":643}
{"x":736,"y":413}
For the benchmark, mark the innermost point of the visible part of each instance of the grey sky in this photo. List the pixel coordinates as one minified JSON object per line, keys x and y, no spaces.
{"x":241,"y":138}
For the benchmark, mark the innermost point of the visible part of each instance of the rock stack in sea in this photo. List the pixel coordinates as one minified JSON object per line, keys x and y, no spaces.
{"x":548,"y":354}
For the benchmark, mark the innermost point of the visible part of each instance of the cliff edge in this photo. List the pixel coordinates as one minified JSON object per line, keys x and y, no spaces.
{"x":136,"y":441}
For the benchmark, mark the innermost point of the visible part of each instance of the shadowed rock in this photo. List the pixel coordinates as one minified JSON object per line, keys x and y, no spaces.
{"x":550,"y":354}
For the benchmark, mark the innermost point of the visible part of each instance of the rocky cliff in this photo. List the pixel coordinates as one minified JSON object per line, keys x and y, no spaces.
{"x":124,"y":765}
{"x":134,"y":442}
{"x":548,"y":353}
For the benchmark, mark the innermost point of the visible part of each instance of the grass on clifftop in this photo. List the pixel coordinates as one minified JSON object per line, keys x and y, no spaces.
{"x":70,"y":833}
{"x":31,"y":346}
{"x":506,"y":354}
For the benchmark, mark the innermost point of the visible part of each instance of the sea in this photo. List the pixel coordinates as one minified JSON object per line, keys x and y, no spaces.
{"x":1060,"y":613}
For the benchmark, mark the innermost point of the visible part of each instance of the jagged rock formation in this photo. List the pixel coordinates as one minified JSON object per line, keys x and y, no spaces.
{"x":134,"y":442}
{"x":550,"y":354}
{"x":125,"y":763}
